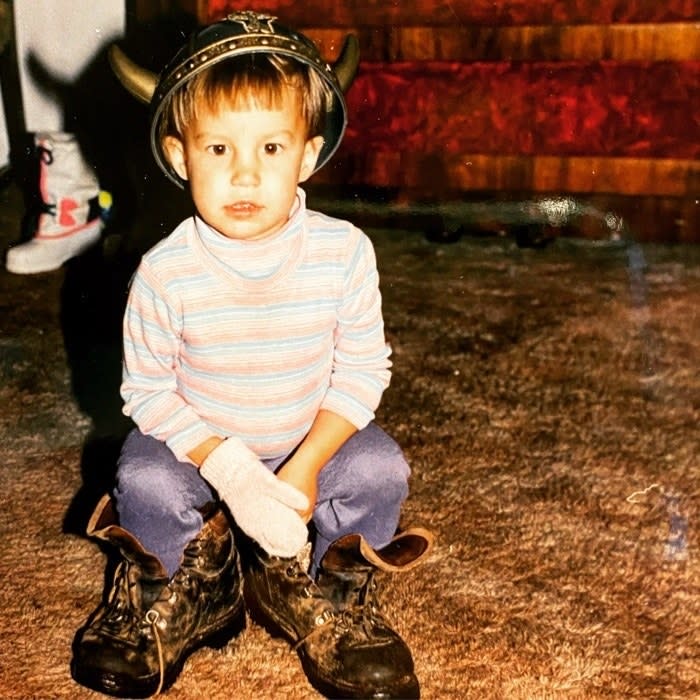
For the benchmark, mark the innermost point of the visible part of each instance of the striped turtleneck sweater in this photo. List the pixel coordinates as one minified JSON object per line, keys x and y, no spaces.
{"x":252,"y":338}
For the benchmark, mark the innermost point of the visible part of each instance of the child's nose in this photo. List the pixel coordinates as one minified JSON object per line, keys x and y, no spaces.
{"x":245,"y":170}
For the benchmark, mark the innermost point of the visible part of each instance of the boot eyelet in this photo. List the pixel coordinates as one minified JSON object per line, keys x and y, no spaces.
{"x":324,"y":617}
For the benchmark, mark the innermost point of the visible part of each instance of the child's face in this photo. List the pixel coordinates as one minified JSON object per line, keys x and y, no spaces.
{"x":243,"y":166}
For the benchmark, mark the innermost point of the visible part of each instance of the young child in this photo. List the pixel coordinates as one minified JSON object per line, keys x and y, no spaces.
{"x":254,"y":359}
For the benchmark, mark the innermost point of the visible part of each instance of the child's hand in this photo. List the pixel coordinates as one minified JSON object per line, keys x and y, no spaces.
{"x":265,"y":507}
{"x":302,"y":480}
{"x":328,"y":433}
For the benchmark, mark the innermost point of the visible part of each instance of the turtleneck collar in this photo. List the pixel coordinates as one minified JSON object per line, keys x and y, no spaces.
{"x":254,"y":264}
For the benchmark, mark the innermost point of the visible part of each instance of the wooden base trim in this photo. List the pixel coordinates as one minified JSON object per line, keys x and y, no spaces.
{"x":434,"y":174}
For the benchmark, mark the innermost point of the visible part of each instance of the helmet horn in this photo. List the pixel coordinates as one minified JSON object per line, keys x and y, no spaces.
{"x":345,"y":67}
{"x":141,"y":83}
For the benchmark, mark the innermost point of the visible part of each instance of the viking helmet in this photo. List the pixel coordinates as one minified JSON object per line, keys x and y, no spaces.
{"x":239,"y":33}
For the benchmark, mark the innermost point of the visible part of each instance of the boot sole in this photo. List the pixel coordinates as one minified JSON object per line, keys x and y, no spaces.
{"x":410,"y":690}
{"x":21,"y":261}
{"x":122,"y":686}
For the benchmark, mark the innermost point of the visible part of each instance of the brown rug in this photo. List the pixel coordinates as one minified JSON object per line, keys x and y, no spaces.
{"x":549,"y":402}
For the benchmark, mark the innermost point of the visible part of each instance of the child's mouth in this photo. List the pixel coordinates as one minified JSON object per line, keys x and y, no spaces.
{"x":242,"y":208}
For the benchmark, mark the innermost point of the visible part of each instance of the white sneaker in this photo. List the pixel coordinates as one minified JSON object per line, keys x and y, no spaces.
{"x":72,"y":209}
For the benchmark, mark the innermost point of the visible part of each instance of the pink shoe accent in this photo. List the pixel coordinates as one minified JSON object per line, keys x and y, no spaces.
{"x":65,"y":217}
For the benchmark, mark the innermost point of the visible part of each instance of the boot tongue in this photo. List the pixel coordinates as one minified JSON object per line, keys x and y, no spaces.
{"x":346,"y":588}
{"x":344,"y":554}
{"x":406,"y":550}
{"x":150,"y":592}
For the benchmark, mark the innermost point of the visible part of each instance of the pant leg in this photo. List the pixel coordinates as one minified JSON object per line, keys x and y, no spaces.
{"x":361,"y":490}
{"x":63,"y":37}
{"x":158,"y":498}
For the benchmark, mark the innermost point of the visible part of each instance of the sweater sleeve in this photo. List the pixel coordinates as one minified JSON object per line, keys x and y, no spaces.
{"x":361,"y":359}
{"x":152,"y":327}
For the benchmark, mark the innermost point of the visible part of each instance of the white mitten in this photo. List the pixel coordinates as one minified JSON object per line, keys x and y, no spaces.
{"x":264,"y":506}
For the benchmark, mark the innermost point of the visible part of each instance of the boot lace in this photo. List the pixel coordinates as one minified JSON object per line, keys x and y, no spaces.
{"x":181,"y":579}
{"x":150,"y":622}
{"x":119,"y":613}
{"x":364,"y":613}
{"x":297,"y":569}
{"x":152,"y":617}
{"x":45,"y":156}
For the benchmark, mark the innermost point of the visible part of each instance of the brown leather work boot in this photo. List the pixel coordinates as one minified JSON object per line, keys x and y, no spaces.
{"x":136,"y":642}
{"x":347,"y":578}
{"x":346,"y":648}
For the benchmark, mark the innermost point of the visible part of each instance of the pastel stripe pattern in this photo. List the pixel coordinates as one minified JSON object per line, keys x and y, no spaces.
{"x":211,"y":351}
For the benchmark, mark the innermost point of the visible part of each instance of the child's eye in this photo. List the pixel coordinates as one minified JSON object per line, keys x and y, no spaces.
{"x":273,"y":148}
{"x":217,"y":149}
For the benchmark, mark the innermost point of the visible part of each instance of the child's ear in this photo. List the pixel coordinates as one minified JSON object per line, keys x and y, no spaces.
{"x":175,"y":153}
{"x":308,"y":162}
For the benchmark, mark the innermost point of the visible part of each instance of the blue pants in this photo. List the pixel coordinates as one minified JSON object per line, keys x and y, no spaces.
{"x":361,"y":490}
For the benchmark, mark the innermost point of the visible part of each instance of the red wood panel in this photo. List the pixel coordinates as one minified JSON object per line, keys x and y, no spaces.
{"x":601,"y":109}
